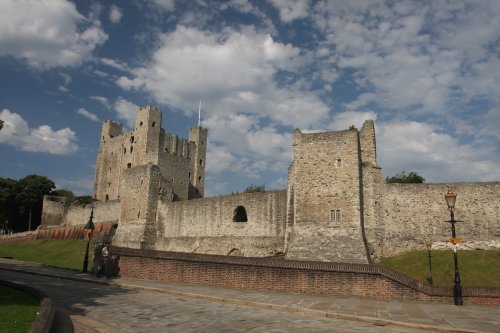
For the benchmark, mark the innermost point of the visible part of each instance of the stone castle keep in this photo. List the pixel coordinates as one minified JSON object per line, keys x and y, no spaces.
{"x":336,"y":208}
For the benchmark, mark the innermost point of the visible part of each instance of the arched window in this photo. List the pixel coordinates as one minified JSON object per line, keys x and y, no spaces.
{"x":129,"y":165}
{"x":240,"y":214}
{"x":153,"y":124}
{"x":335,"y":215}
{"x":132,"y":139}
{"x":107,"y":197}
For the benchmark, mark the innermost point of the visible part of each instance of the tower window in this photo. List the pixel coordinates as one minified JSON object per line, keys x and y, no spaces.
{"x":339,"y":163}
{"x":107,"y":197}
{"x":129,"y":165}
{"x":140,"y":124}
{"x":335,"y":215}
{"x":240,"y":214}
{"x":199,"y":178}
{"x":153,"y":124}
{"x":201,"y":162}
{"x":131,"y":149}
{"x":132,"y":139}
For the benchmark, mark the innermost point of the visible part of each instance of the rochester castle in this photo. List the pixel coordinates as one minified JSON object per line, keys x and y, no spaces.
{"x":337,"y":206}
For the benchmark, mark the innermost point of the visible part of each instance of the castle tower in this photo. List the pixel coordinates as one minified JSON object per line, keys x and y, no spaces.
{"x":145,"y":139}
{"x":197,"y":135}
{"x":328,"y":194}
{"x":107,"y":164}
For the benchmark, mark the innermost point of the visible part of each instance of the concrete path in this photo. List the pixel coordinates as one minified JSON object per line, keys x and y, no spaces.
{"x":129,"y":305}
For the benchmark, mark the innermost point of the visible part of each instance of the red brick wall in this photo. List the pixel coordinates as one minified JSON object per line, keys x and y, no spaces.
{"x":75,"y":232}
{"x":289,"y":276}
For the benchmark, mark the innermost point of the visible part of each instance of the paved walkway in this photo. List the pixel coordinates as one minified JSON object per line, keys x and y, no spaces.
{"x":130,"y":305}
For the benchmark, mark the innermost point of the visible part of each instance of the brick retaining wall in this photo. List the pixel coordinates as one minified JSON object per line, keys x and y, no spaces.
{"x":273,"y":274}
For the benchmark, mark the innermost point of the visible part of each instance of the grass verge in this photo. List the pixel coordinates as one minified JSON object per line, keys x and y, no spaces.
{"x":59,"y":253}
{"x":18,"y":310}
{"x":477,"y":268}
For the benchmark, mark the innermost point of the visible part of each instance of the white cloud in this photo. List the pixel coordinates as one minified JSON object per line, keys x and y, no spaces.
{"x":103,"y":100}
{"x":166,"y":5}
{"x":67,"y":80}
{"x":87,"y":114}
{"x":115,"y":14}
{"x":437,"y":156}
{"x":344,"y":120}
{"x":43,"y":139}
{"x":126,"y":110}
{"x":47,"y":34}
{"x":292,"y":9}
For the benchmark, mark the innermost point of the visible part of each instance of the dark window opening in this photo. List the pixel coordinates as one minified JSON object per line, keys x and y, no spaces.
{"x":240,"y":214}
{"x":199,"y":178}
{"x":107,"y":197}
{"x":124,"y":151}
{"x":201,"y":162}
{"x":153,"y":124}
{"x":132,"y":139}
{"x":140,"y":124}
{"x":131,"y":149}
{"x":189,"y":176}
{"x":129,"y":165}
{"x":339,"y":163}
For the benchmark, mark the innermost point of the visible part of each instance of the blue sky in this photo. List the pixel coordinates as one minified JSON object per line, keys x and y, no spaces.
{"x":427,"y":72}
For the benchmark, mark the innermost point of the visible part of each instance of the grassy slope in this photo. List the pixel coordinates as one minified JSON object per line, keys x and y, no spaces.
{"x":18,"y":310}
{"x":477,"y":268}
{"x":60,"y":253}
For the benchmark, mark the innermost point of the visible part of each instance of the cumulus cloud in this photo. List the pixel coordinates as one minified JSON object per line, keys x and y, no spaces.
{"x":115,"y":14}
{"x":126,"y":110}
{"x":439,"y":157}
{"x":48,"y":34}
{"x":87,"y":114}
{"x":43,"y":139}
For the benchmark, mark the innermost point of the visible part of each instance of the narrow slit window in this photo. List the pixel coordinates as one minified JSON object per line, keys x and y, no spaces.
{"x":339,"y":163}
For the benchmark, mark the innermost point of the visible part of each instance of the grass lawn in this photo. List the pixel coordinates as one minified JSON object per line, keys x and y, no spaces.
{"x":477,"y":268}
{"x":60,"y":253}
{"x":18,"y":310}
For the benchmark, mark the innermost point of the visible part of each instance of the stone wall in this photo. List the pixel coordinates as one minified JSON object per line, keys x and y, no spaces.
{"x":290,"y":276}
{"x":326,"y":170}
{"x":58,"y":213}
{"x":207,"y":226}
{"x":412,"y":214}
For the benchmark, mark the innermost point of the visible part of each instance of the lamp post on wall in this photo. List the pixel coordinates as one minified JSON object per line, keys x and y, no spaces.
{"x":89,"y":228}
{"x":457,"y":289}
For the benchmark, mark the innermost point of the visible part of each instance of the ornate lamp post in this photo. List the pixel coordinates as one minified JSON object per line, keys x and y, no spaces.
{"x":89,"y":228}
{"x":457,"y":289}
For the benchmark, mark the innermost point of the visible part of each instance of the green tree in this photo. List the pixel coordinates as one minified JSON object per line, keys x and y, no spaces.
{"x":7,"y":203}
{"x":29,"y":197}
{"x":255,"y":188}
{"x":70,"y":196}
{"x":402,"y":177}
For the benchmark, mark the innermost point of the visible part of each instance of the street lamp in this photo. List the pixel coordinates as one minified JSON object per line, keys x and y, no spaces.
{"x":89,"y":228}
{"x":457,"y":289}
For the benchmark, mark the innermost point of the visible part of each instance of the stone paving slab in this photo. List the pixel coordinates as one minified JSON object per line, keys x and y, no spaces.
{"x":418,"y":315}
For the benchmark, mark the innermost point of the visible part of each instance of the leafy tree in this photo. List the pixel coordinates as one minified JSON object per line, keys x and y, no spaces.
{"x":83,"y":200}
{"x":70,"y":196}
{"x":255,"y":188}
{"x":1,"y":124}
{"x":402,"y":177}
{"x":8,"y":209}
{"x":29,"y":197}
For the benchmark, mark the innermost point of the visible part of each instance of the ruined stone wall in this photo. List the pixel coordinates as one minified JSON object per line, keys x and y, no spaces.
{"x":326,"y":172}
{"x":175,"y":169}
{"x":413,"y":214}
{"x":207,"y":226}
{"x":57,"y":213}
